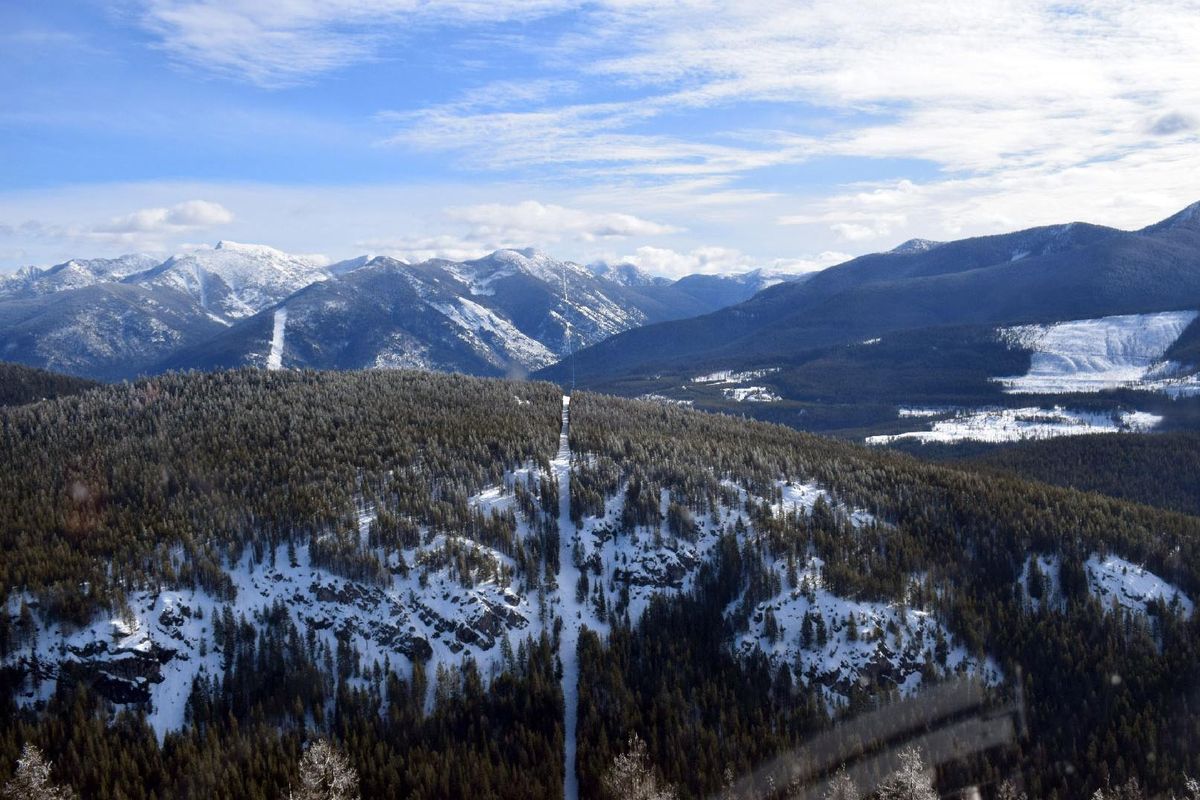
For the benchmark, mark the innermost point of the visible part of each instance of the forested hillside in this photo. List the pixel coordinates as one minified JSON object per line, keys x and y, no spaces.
{"x":1160,"y":470}
{"x":205,"y":573}
{"x":953,"y":543}
{"x":20,"y":384}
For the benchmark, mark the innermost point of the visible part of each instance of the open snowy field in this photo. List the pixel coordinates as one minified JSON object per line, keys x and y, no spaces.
{"x":1091,"y":355}
{"x":1017,"y":424}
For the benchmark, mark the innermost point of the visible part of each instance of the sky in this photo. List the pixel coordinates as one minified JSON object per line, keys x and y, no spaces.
{"x":683,"y":136}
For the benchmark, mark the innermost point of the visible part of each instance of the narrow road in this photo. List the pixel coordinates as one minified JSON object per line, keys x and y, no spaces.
{"x":568,"y":577}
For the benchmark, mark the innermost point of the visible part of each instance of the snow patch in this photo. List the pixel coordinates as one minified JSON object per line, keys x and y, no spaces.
{"x":1092,"y":355}
{"x":750,"y":394}
{"x":1133,"y":586}
{"x":1018,"y":424}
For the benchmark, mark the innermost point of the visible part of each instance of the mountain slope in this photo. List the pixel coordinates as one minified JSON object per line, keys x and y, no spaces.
{"x":1044,"y":274}
{"x":106,"y":330}
{"x":508,"y":312}
{"x":934,"y":331}
{"x":73,"y":274}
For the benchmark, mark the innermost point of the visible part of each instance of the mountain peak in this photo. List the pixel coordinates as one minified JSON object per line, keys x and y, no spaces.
{"x":624,"y":274}
{"x":915,"y":246}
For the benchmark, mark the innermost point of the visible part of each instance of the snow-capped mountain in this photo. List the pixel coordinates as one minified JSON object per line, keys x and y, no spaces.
{"x":73,"y":274}
{"x":234,"y":280}
{"x":497,"y":315}
{"x":233,"y":304}
{"x":626,"y":274}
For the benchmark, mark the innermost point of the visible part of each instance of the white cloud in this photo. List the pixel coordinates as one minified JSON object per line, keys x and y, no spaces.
{"x":532,"y":221}
{"x":187,"y":216}
{"x":987,"y":94}
{"x":711,"y":260}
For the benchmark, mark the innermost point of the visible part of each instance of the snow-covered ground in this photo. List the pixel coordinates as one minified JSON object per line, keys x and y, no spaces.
{"x":750,"y":394}
{"x":440,"y":621}
{"x":729,"y":376}
{"x":1131,"y":585}
{"x":1091,"y":355}
{"x":662,"y":398}
{"x":275,"y":357}
{"x":1109,"y":577}
{"x":1017,"y":424}
{"x":845,"y":640}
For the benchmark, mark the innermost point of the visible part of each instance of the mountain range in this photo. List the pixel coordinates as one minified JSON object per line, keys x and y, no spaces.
{"x":507,"y":313}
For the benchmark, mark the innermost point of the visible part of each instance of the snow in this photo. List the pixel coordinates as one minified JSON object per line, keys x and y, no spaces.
{"x":378,"y":619}
{"x":797,"y":496}
{"x":493,"y":337}
{"x":662,"y":398}
{"x":1092,"y":355}
{"x":275,"y":357}
{"x":1110,"y":577}
{"x":906,"y":413}
{"x":1018,"y":424}
{"x":1133,"y":587}
{"x":569,"y":610}
{"x":729,"y":376}
{"x":254,"y":276}
{"x":750,"y":394}
{"x":892,"y":639}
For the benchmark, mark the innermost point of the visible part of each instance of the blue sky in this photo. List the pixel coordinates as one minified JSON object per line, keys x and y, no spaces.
{"x":691,"y":136}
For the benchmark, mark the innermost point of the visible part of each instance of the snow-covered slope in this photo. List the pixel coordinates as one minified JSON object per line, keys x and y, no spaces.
{"x":74,"y":274}
{"x":235,"y":280}
{"x":1091,"y":355}
{"x":1017,"y":424}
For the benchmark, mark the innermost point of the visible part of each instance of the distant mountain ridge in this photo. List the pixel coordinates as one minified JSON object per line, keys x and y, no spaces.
{"x":506,"y":313}
{"x":918,"y":340}
{"x":1044,"y":274}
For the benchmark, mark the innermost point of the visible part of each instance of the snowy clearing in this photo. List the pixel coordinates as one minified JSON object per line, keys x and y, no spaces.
{"x":1134,"y":587}
{"x":1092,"y":355}
{"x":1018,"y":424}
{"x":750,"y":394}
{"x":729,"y":376}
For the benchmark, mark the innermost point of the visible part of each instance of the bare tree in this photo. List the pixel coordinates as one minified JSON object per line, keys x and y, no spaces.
{"x":326,"y":774}
{"x":910,"y":781}
{"x":32,"y":779}
{"x":630,"y":777}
